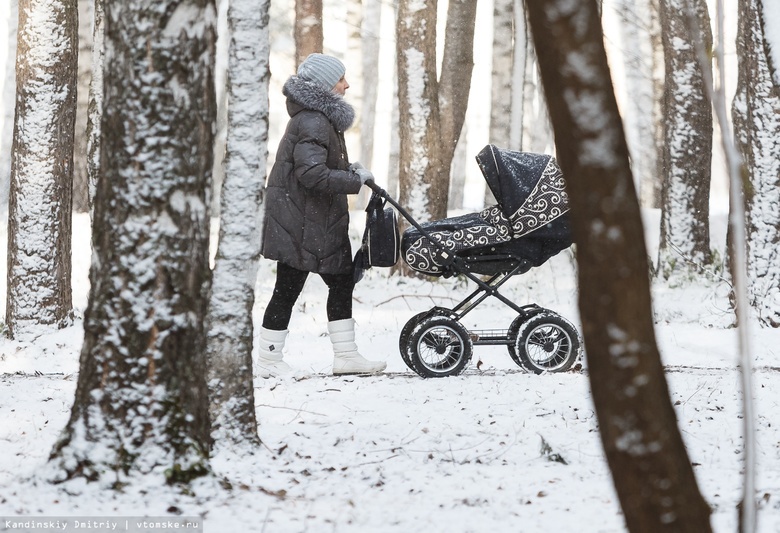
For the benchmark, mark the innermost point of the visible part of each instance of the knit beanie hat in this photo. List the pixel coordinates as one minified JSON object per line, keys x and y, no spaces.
{"x":322,"y":69}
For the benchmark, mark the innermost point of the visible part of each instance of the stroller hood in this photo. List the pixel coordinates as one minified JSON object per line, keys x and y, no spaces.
{"x":528,"y":187}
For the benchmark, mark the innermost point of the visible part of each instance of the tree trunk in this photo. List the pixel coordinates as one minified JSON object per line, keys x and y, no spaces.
{"x":39,"y":229}
{"x":653,"y":476}
{"x":502,"y":76}
{"x":370,"y":28}
{"x":519,"y":61}
{"x":636,"y":32}
{"x":230,"y":331}
{"x":80,"y":161}
{"x":455,"y":83}
{"x":95,"y":111}
{"x":141,"y":404}
{"x":308,"y":29}
{"x":687,"y":154}
{"x":423,"y":185}
{"x":756,"y":112}
{"x":431,"y":114}
{"x":9,"y":15}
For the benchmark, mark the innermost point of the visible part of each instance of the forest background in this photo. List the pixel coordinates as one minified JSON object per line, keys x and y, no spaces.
{"x":472,"y":203}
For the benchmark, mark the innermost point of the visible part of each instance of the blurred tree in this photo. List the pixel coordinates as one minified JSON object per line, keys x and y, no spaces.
{"x":642,"y":51}
{"x":308,"y":29}
{"x":9,"y":19}
{"x":687,"y":151}
{"x":756,"y":113}
{"x":141,"y":402}
{"x":39,"y":216}
{"x":653,"y":475}
{"x":95,"y":109}
{"x":80,"y":157}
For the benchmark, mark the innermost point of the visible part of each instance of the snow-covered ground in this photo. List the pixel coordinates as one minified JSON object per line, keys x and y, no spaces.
{"x":493,"y":449}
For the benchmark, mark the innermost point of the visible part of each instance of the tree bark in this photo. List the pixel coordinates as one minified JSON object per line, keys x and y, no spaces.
{"x":141,"y":404}
{"x":431,"y":113}
{"x":230,"y":330}
{"x":39,"y":232}
{"x":636,"y":32}
{"x":502,"y":76}
{"x":95,"y":111}
{"x":9,"y":13}
{"x":687,"y":153}
{"x":308,"y":29}
{"x":423,"y":185}
{"x":80,"y":161}
{"x":653,"y":476}
{"x":756,"y":112}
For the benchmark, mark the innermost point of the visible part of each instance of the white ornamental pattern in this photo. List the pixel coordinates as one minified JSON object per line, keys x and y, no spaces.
{"x":421,"y":255}
{"x":546,"y":202}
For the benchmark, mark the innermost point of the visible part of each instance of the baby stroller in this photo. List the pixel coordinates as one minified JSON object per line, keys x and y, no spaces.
{"x":528,"y":226}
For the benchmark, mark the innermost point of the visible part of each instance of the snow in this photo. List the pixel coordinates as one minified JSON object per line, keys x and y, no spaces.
{"x":494,"y":449}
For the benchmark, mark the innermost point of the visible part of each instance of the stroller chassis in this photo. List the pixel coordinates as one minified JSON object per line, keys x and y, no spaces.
{"x":434,"y":343}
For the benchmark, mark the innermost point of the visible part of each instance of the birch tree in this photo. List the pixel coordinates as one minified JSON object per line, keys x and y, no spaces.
{"x":80,"y":142}
{"x":639,"y":58}
{"x":502,"y":78}
{"x":431,"y":110}
{"x":39,"y":228}
{"x":9,"y":18}
{"x":653,"y":476}
{"x":687,"y":153}
{"x":95,"y":110}
{"x":230,"y":331}
{"x":141,"y":405}
{"x":370,"y":30}
{"x":756,"y":115}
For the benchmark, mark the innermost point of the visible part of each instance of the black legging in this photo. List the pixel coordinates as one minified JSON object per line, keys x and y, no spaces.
{"x":289,"y":284}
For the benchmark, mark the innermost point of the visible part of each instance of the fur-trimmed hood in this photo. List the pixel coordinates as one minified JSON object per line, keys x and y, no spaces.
{"x":309,"y":95}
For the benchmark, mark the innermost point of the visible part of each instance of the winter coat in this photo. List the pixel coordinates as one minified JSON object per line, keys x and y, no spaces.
{"x":306,"y":211}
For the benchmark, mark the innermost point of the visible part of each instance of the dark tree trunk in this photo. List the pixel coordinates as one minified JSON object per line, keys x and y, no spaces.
{"x":645,"y":452}
{"x":308,"y":29}
{"x":141,"y":402}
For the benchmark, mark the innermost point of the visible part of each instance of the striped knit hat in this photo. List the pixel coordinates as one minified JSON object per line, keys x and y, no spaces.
{"x":322,"y":69}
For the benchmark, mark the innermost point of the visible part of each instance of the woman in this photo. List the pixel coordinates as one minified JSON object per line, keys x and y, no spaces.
{"x":307,"y":215}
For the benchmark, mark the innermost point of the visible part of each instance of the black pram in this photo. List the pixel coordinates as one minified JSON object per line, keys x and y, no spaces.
{"x":527,"y":226}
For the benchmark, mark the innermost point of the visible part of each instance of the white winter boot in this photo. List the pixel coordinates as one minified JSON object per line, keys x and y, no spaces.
{"x":346,"y":359}
{"x":269,"y":361}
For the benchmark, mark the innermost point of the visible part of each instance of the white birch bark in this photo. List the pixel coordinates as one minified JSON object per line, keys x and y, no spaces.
{"x":370,"y":31}
{"x":95,"y":111}
{"x":9,"y":17}
{"x":519,"y":60}
{"x":230,"y":330}
{"x":502,"y":79}
{"x":636,"y":32}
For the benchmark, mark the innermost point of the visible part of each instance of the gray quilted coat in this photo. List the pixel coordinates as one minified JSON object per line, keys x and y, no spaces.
{"x":306,"y":212}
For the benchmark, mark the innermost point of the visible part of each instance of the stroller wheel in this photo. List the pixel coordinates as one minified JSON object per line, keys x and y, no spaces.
{"x":545,"y":342}
{"x":438,"y":347}
{"x":403,"y":339}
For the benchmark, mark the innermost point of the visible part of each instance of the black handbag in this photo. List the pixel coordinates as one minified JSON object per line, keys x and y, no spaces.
{"x":381,"y":246}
